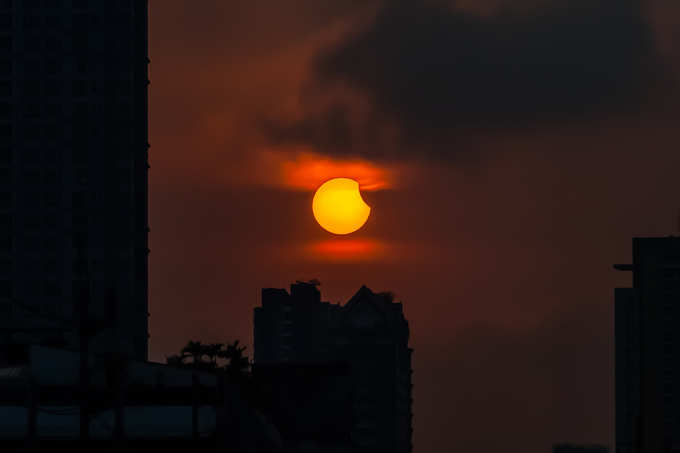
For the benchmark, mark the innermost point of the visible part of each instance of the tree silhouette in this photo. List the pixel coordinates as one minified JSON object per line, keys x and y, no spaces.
{"x":236,"y":364}
{"x":175,"y":360}
{"x":212,"y":351}
{"x":196,"y":350}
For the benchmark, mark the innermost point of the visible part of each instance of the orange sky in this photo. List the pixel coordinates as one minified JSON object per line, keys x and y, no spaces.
{"x":500,"y":253}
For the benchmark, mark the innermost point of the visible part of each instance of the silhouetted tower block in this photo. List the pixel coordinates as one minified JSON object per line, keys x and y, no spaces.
{"x":287,"y":327}
{"x":73,"y":168}
{"x":647,"y":338}
{"x":369,"y":333}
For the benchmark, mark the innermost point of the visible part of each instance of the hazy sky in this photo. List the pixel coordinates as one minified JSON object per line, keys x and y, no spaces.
{"x":509,"y":151}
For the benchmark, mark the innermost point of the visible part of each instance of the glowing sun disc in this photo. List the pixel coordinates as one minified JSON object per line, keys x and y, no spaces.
{"x":338,"y":206}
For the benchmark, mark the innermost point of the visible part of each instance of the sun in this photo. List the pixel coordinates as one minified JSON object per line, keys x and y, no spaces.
{"x":338,"y":206}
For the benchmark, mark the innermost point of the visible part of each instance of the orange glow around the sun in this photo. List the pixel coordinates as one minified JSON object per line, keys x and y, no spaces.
{"x":307,"y":171}
{"x":345,"y":249}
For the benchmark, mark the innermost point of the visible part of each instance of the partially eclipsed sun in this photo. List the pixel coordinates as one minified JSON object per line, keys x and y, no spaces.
{"x":338,"y":206}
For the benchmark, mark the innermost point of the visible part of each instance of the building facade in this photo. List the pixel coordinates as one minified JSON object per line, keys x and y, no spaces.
{"x":73,"y":171}
{"x":647,"y":349}
{"x":369,"y":333}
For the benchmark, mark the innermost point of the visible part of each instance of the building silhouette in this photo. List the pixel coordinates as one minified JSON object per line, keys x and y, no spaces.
{"x":647,"y":343}
{"x":310,"y":404}
{"x":369,"y":334}
{"x":134,"y":405}
{"x":73,"y":172}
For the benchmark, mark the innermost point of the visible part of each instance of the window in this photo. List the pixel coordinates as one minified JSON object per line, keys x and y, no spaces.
{"x":124,"y":89}
{"x":32,"y":21}
{"x":81,"y":112}
{"x":5,"y":233}
{"x":33,"y":222}
{"x":6,"y":110}
{"x":79,"y":200}
{"x":32,"y":110}
{"x":80,"y":240}
{"x":53,"y":110}
{"x":5,"y":289}
{"x":32,"y":4}
{"x":81,"y":65}
{"x":79,"y":220}
{"x":80,"y":40}
{"x":5,"y":243}
{"x":5,"y":88}
{"x":32,"y":178}
{"x":52,"y":132}
{"x":52,"y":21}
{"x":51,"y":266}
{"x":5,"y":223}
{"x":6,"y":132}
{"x":52,"y":221}
{"x":5,"y":200}
{"x":79,"y":153}
{"x":53,"y":155}
{"x":52,"y":288}
{"x":80,"y":4}
{"x":52,"y":199}
{"x":6,"y":67}
{"x":52,"y":88}
{"x":33,"y":44}
{"x":53,"y":67}
{"x":32,"y":87}
{"x":79,"y":88}
{"x":125,"y":177}
{"x":5,"y":43}
{"x":82,"y":176}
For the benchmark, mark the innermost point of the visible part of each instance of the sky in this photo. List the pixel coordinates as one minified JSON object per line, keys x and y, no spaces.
{"x":509,"y":150}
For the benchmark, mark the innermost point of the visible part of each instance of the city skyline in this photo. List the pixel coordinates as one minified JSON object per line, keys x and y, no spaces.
{"x":498,"y":234}
{"x":504,"y":153}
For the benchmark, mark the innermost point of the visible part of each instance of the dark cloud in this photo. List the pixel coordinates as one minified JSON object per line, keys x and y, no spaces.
{"x":440,"y":67}
{"x":331,"y":129}
{"x":437,"y":71}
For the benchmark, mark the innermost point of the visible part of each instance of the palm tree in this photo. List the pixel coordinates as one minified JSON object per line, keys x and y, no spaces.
{"x":175,"y":360}
{"x":196,"y":350}
{"x":238,"y":363}
{"x":212,"y":351}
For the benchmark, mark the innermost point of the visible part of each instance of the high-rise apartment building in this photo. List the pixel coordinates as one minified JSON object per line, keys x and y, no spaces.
{"x":369,"y":333}
{"x":73,"y":171}
{"x":647,"y":339}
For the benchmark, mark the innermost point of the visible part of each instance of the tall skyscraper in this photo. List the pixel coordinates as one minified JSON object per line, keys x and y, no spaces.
{"x":369,"y":333}
{"x":73,"y":171}
{"x":647,"y":339}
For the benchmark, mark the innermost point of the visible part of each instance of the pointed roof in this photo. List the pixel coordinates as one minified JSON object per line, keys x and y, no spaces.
{"x":364,"y":293}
